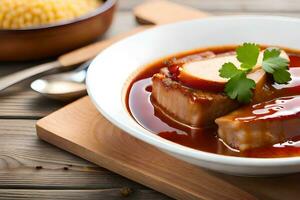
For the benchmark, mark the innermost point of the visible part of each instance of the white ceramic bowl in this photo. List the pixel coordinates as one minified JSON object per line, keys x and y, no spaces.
{"x":111,"y":69}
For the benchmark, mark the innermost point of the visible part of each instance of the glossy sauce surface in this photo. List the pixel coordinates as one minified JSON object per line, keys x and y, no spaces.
{"x":140,"y":106}
{"x":283,"y":108}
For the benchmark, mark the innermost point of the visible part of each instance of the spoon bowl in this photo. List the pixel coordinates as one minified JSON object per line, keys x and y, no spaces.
{"x":63,"y":86}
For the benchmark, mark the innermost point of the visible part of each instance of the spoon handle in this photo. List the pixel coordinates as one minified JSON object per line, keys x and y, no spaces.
{"x":14,"y":78}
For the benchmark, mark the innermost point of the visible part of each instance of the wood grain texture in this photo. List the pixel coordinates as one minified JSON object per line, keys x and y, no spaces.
{"x":23,"y":103}
{"x":90,"y":51}
{"x":105,"y":194}
{"x":22,"y":151}
{"x":162,"y":12}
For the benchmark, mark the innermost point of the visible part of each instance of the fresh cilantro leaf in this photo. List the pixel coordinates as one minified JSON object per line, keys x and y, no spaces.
{"x":228,"y":70}
{"x":271,"y":53}
{"x":248,"y":54}
{"x":274,"y":63}
{"x":277,"y":66}
{"x":240,"y":87}
{"x":281,"y":76}
{"x":230,"y":87}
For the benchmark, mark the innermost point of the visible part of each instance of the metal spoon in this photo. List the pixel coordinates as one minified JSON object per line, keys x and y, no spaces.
{"x":63,"y":86}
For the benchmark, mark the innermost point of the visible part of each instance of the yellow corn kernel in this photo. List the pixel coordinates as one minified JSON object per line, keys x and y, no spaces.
{"x":16,"y":14}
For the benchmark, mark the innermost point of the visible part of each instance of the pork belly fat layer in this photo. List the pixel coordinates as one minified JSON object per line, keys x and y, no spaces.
{"x":195,"y":108}
{"x":261,"y":124}
{"x":251,"y":135}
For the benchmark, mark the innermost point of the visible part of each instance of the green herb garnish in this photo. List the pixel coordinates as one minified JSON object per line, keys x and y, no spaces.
{"x":247,"y":55}
{"x":239,"y":86}
{"x":276,"y":66}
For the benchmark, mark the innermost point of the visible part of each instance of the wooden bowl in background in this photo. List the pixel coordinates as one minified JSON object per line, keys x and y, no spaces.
{"x":55,"y":39}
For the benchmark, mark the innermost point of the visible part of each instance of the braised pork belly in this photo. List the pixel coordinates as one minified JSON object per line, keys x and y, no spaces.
{"x":194,"y":100}
{"x":261,"y":124}
{"x":196,"y":108}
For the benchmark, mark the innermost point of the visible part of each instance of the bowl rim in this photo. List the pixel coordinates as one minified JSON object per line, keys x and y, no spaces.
{"x":178,"y":149}
{"x":107,"y":5}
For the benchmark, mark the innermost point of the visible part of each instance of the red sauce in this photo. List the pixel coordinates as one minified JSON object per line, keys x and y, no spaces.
{"x":294,"y":59}
{"x":293,"y":87}
{"x":141,"y":108}
{"x":283,"y":108}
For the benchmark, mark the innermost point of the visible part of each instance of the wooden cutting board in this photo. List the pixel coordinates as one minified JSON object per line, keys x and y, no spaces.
{"x":80,"y":129}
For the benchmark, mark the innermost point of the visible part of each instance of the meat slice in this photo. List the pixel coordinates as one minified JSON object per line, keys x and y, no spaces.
{"x":192,"y":58}
{"x":188,"y":106}
{"x":262,"y":124}
{"x":192,"y":107}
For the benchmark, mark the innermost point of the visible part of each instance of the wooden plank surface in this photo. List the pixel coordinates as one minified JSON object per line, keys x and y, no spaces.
{"x":86,"y":133}
{"x":28,"y":163}
{"x":109,"y":194}
{"x":23,"y":152}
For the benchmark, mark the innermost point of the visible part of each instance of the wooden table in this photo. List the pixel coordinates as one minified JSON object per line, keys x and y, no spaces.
{"x":33,"y":169}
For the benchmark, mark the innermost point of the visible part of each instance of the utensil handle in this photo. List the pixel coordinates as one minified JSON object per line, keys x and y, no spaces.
{"x":14,"y":78}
